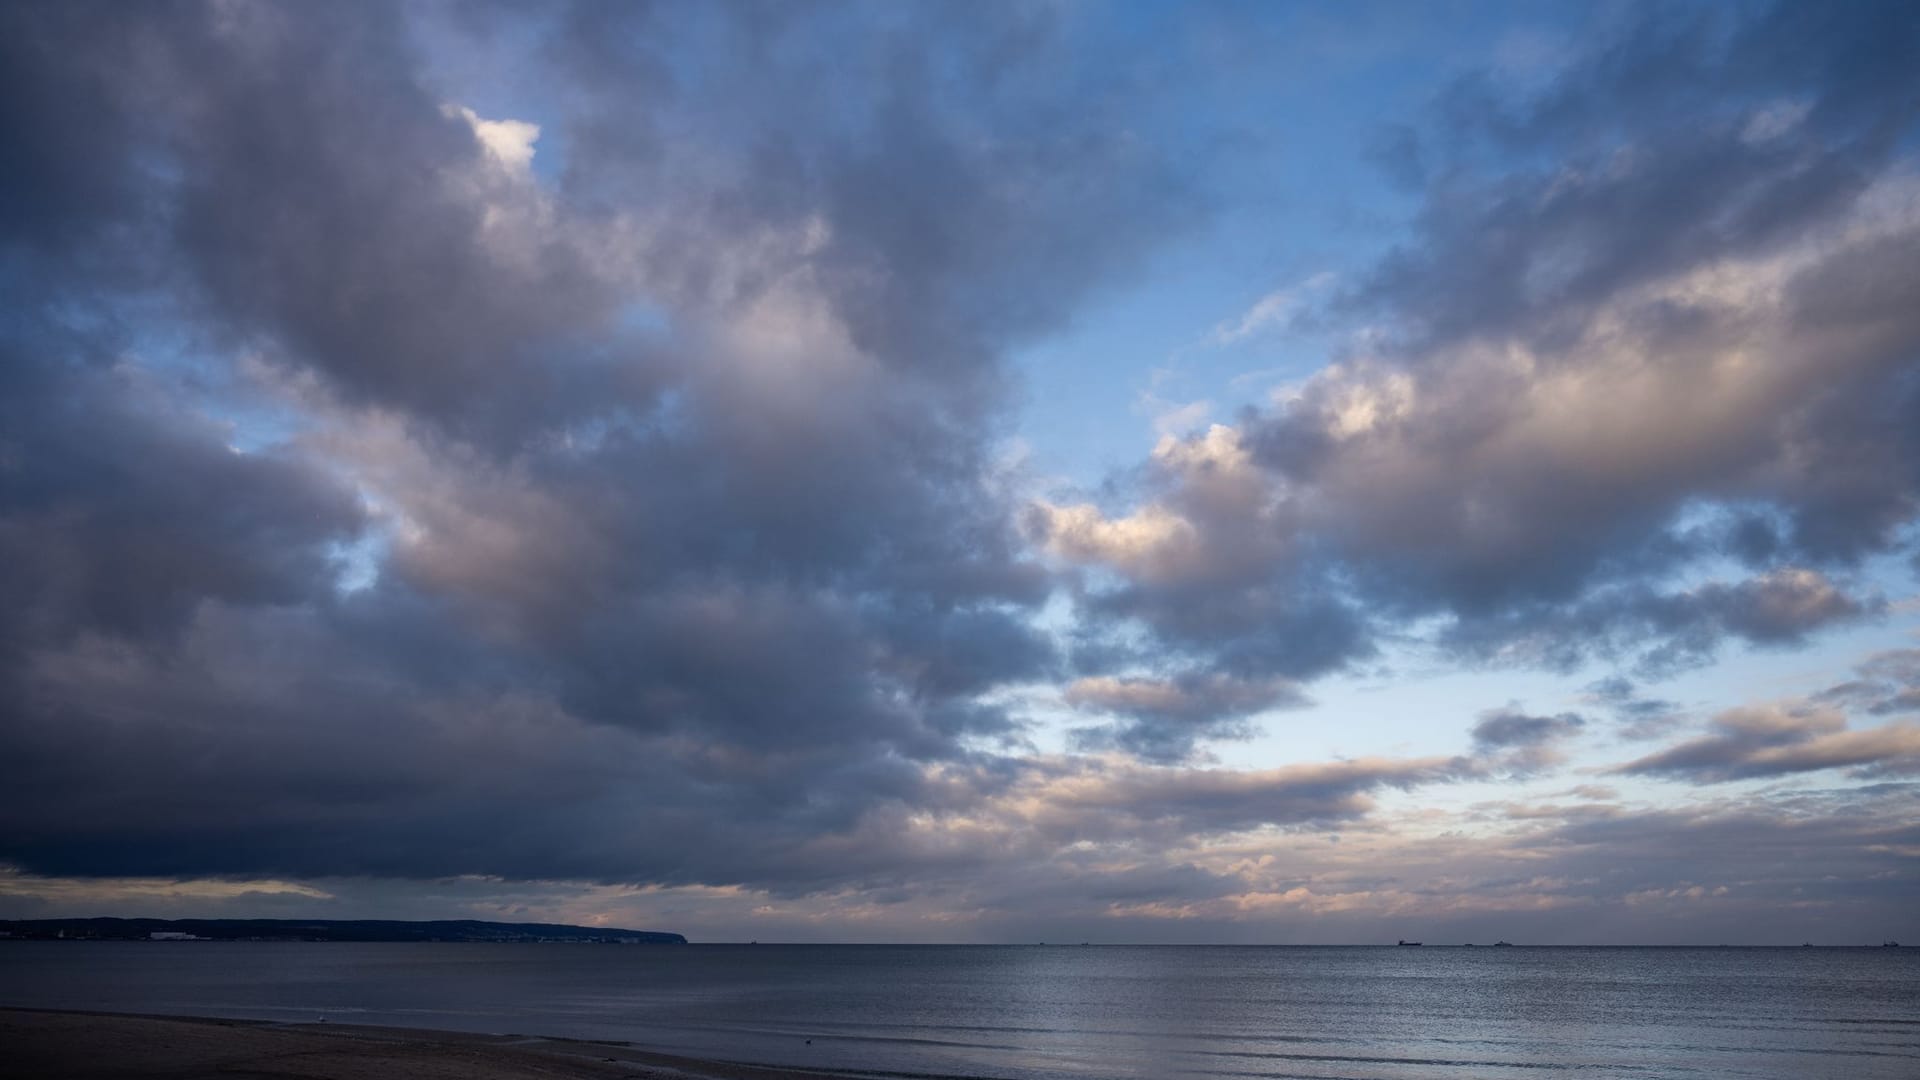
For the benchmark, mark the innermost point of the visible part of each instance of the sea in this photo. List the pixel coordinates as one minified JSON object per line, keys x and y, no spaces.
{"x":1052,"y":1012}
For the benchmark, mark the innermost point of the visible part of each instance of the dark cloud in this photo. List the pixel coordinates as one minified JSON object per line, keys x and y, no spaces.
{"x":267,"y":744}
{"x":1663,"y":632}
{"x":391,"y":490}
{"x":1504,"y":729}
{"x":254,"y":148}
{"x":120,"y":512}
{"x":65,"y":140}
{"x":1716,"y":133}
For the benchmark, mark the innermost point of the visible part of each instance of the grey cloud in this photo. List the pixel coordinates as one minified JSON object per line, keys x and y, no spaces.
{"x":1517,"y":743}
{"x":1503,"y":729}
{"x":1907,"y":700}
{"x":1163,"y":717}
{"x":269,"y":743}
{"x":934,"y":276}
{"x":1639,"y":717}
{"x":694,"y":599}
{"x":1107,"y":801}
{"x":1807,"y":734}
{"x":1762,"y":742}
{"x":64,"y":138}
{"x":252,"y":147}
{"x":1787,"y":866}
{"x":1627,"y":343}
{"x":1726,"y":132}
{"x":1801,"y":835}
{"x":1283,"y":626}
{"x":1890,"y":682}
{"x":1782,"y":607}
{"x":1794,"y":866}
{"x":121,"y":511}
{"x":311,"y":754}
{"x":1663,"y":632}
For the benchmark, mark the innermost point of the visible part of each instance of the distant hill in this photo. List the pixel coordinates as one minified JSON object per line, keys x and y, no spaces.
{"x":325,"y":930}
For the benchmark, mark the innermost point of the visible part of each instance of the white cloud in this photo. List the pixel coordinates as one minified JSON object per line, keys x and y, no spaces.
{"x":1269,"y":312}
{"x":508,"y":142}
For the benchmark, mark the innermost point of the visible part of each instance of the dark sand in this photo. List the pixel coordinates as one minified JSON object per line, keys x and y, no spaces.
{"x":46,"y":1045}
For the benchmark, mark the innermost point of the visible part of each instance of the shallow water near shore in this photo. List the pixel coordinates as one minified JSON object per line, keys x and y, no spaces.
{"x":1052,"y":1012}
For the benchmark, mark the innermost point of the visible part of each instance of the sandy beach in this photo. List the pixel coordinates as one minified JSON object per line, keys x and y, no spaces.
{"x":45,"y":1045}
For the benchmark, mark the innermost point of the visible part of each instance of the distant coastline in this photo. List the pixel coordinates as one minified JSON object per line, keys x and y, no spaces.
{"x":360,"y":930}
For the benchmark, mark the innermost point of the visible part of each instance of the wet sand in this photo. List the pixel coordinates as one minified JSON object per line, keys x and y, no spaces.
{"x":47,"y":1045}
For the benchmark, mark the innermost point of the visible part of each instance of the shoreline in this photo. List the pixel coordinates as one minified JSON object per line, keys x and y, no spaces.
{"x":66,"y":1044}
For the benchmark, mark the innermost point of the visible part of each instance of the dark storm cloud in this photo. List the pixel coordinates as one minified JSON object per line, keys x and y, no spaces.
{"x":267,"y":743}
{"x":121,"y":512}
{"x":664,"y":483}
{"x":65,"y":141}
{"x":1635,"y":335}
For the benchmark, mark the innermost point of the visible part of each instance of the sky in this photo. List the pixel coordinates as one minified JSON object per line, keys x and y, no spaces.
{"x":952,"y":472}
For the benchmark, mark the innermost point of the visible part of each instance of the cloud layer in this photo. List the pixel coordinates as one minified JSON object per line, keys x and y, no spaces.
{"x":608,"y":503}
{"x":1640,"y":383}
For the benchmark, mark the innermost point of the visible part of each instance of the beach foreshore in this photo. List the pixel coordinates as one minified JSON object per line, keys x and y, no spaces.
{"x":51,"y":1045}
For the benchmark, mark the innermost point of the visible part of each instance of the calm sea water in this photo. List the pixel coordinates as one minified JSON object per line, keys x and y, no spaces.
{"x":1046,"y":1013}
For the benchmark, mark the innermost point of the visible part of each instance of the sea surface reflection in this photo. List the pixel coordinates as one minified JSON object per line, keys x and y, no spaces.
{"x":1049,"y":1012}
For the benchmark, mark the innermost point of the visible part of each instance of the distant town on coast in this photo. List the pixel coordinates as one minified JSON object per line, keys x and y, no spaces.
{"x":457,"y":930}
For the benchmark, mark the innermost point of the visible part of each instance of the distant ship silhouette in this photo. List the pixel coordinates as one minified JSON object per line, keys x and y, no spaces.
{"x":1503,"y":944}
{"x":1409,"y":943}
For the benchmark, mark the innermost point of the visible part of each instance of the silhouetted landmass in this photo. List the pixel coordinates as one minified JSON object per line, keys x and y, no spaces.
{"x":323,"y":930}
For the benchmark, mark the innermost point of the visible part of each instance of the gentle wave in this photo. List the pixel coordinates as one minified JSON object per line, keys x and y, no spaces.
{"x":1027,"y":1013}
